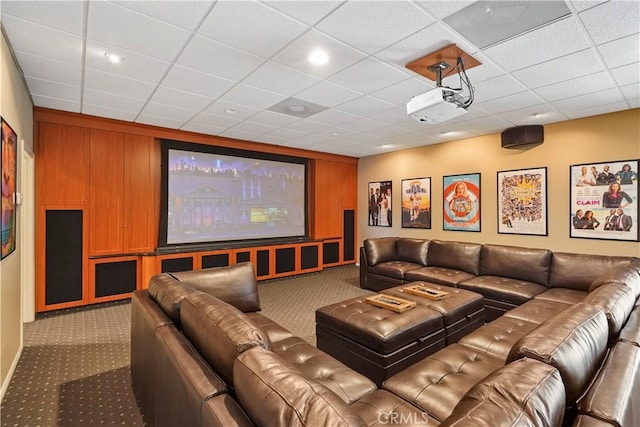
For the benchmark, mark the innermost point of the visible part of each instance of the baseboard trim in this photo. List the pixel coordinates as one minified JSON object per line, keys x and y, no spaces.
{"x":12,"y":369}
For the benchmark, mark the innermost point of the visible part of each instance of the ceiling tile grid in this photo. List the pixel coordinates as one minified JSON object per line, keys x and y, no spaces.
{"x":218,"y":67}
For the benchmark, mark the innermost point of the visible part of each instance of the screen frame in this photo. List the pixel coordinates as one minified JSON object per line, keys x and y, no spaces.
{"x":166,"y":145}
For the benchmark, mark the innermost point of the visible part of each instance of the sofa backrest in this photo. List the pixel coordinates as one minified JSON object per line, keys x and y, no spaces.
{"x":574,"y":341}
{"x":531,"y":265}
{"x":380,"y":249}
{"x":219,"y":331}
{"x":629,"y":276}
{"x":275,"y":394}
{"x":235,"y":284}
{"x":617,"y":301}
{"x":578,"y":271}
{"x":455,"y":255}
{"x":412,"y":250}
{"x":168,"y":293}
{"x":525,"y":392}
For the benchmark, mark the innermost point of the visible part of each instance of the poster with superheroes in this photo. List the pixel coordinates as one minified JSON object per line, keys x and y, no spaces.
{"x":604,"y":200}
{"x":461,"y":207}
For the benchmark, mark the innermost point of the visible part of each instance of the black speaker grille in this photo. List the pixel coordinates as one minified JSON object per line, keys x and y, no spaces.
{"x":243,"y":256}
{"x":114,"y":278}
{"x":285,"y":260}
{"x":262,"y":267}
{"x":217,"y":260}
{"x":308,"y":257}
{"x":177,"y":264}
{"x":330,"y":253}
{"x":63,"y":256}
{"x":349,"y":235}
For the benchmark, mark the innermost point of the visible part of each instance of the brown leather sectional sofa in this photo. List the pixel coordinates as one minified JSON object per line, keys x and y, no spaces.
{"x":203,"y":355}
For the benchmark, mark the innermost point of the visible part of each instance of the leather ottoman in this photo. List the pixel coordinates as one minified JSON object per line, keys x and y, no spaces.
{"x":375,"y":341}
{"x":462,"y":310}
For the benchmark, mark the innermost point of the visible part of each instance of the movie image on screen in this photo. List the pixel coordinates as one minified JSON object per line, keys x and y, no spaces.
{"x":215,"y":197}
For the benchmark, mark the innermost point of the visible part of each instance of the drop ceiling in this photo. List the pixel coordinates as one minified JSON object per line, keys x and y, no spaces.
{"x":226,"y":67}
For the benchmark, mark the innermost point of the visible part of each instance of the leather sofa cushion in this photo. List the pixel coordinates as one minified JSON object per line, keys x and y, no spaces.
{"x":574,"y":341}
{"x":235,"y":284}
{"x":616,"y":300}
{"x":631,"y":331}
{"x":498,"y":337}
{"x":275,"y":394}
{"x":578,"y":271}
{"x":380,"y":249}
{"x":223,"y":411}
{"x":438,"y":275}
{"x":613,"y":396}
{"x":629,"y":276}
{"x":396,"y":269}
{"x":588,"y":421}
{"x":168,"y":293}
{"x":525,"y":392}
{"x":513,"y":291}
{"x":272,"y":330}
{"x":318,"y":366}
{"x":219,"y":331}
{"x":412,"y":250}
{"x":436,"y":384}
{"x":455,"y":255}
{"x":537,"y":310}
{"x":562,"y":295}
{"x":526,"y":264}
{"x":382,"y":408}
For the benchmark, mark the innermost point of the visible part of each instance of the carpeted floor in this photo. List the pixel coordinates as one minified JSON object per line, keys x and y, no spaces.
{"x":74,"y":368}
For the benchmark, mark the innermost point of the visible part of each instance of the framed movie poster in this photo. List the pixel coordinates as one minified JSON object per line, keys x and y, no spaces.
{"x":380,"y":203}
{"x":522,"y":201}
{"x":416,"y":203}
{"x":9,"y":159}
{"x":604,"y":200}
{"x":461,"y":208}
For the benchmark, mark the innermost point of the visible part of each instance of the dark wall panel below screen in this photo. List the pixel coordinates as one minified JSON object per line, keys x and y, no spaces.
{"x":285,"y":260}
{"x":114,"y":278}
{"x":349,"y":233}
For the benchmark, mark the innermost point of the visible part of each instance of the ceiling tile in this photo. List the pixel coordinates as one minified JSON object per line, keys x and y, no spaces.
{"x":627,"y":74}
{"x":365,"y":125}
{"x":621,"y":52}
{"x":539,"y":114}
{"x":164,"y":122}
{"x":286,"y":133}
{"x":372,"y":26}
{"x":30,"y":38}
{"x":280,"y":79}
{"x":603,"y":97}
{"x":340,"y":55}
{"x":53,"y":90}
{"x":133,"y":65}
{"x":175,"y":114}
{"x":328,"y":94}
{"x":188,"y":80}
{"x":118,"y":26}
{"x":252,"y":97}
{"x":49,"y":69}
{"x":237,"y":134}
{"x":56,"y":104}
{"x":581,"y":5}
{"x":497,"y":87}
{"x":578,"y":86}
{"x":184,"y":13}
{"x":253,"y":128}
{"x":401,"y":93}
{"x":334,"y":118}
{"x":309,"y":12}
{"x":273,"y":119}
{"x":307,"y":126}
{"x":625,"y":14}
{"x":261,"y":31}
{"x":396,"y":116}
{"x":560,"y":69}
{"x":117,"y":85}
{"x":215,"y":120}
{"x":186,"y":100}
{"x":111,"y":101}
{"x":365,"y":106}
{"x":442,"y":9}
{"x":596,"y":110}
{"x":205,"y":55}
{"x":203,"y":128}
{"x":560,"y":38}
{"x":101,"y":111}
{"x":368,"y":76}
{"x":66,"y":16}
{"x":232,"y":110}
{"x":510,"y":103}
{"x":631,"y":91}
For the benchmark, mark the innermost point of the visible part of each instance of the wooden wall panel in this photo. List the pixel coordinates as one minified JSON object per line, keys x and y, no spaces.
{"x":62,"y":165}
{"x":348,"y":183}
{"x":105,"y":200}
{"x":328,"y":200}
{"x":141,"y":193}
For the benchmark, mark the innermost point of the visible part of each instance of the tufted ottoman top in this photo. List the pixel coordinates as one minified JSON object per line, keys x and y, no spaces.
{"x":377,"y":328}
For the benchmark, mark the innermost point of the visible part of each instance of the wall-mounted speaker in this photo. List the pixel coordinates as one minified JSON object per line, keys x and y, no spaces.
{"x":523,"y":136}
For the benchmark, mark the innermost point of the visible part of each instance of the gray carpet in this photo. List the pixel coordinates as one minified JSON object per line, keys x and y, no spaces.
{"x":74,"y":368}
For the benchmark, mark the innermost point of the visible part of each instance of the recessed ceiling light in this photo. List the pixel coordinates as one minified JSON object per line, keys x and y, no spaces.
{"x":335,"y":133}
{"x":536,"y":115}
{"x":387,"y":146}
{"x":318,"y":57}
{"x":230,"y":111}
{"x":113,"y":57}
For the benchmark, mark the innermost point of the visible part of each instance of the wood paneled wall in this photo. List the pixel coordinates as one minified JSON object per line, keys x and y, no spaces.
{"x":110,"y":170}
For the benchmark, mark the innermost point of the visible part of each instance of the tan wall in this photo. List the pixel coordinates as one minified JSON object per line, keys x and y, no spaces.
{"x":17,"y":110}
{"x":598,"y":139}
